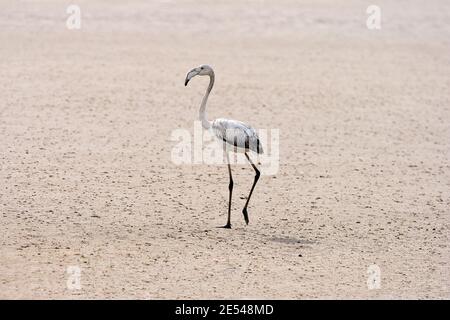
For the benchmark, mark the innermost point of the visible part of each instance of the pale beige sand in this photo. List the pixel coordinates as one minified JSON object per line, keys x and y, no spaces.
{"x":86,"y":175}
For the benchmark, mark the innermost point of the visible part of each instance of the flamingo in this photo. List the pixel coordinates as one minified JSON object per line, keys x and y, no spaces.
{"x":236,"y":136}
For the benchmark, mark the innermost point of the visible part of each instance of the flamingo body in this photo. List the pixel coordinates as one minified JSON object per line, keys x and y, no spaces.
{"x":238,"y":136}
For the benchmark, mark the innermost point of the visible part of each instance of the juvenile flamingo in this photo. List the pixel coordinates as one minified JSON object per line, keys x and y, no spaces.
{"x":236,"y":136}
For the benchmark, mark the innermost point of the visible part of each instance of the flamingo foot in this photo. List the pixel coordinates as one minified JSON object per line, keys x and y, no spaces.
{"x":244,"y":211}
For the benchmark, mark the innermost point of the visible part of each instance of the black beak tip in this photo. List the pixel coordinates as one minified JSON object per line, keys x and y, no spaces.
{"x":186,"y":82}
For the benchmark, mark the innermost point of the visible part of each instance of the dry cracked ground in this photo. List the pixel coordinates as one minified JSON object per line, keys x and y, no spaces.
{"x":86,"y":170}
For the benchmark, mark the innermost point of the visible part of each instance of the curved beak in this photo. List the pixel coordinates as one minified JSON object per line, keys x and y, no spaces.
{"x":190,"y":75}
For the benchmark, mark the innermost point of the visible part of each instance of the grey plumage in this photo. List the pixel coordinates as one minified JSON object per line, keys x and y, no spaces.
{"x":237,"y":134}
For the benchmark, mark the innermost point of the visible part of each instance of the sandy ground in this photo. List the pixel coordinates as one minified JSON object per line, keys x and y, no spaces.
{"x":87,"y":179}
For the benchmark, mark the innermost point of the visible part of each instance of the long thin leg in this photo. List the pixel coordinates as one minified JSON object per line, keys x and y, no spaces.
{"x":244,"y":211}
{"x":230,"y":188}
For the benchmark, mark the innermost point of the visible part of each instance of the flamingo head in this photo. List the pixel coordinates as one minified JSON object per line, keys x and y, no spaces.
{"x":203,"y":70}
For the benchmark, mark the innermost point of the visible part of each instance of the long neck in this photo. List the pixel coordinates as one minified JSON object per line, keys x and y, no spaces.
{"x":202,"y":112}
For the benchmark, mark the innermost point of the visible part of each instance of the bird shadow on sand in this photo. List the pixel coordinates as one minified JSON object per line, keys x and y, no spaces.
{"x":274,"y":238}
{"x":291,"y":240}
{"x":261,"y":236}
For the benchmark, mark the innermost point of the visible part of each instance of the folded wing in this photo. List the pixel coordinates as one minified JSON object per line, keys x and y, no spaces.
{"x":237,"y":134}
